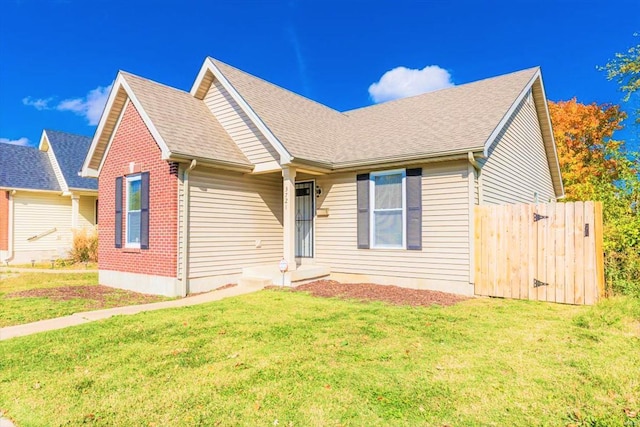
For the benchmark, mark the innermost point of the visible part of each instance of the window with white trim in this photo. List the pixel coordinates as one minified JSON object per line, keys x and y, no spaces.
{"x":388,"y":209}
{"x":133,"y":208}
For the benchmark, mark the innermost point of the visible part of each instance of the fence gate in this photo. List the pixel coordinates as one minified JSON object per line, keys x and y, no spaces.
{"x":546,"y":252}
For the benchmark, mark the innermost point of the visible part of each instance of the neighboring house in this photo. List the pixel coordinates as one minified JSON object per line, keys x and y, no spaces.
{"x":219,"y":184}
{"x":43,"y":198}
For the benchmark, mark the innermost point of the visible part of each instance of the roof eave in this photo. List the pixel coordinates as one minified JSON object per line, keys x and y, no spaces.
{"x":84,"y":190}
{"x":326,"y":167}
{"x":35,"y":190}
{"x":203,"y":161}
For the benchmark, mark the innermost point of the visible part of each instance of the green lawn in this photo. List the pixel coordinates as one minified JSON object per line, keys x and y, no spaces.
{"x":28,"y":297}
{"x":59,"y":264}
{"x":289,"y":359}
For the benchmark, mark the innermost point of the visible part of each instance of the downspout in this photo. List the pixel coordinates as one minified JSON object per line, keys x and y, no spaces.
{"x":478,"y":169}
{"x":10,"y":229}
{"x":474,"y":166}
{"x":185,"y":228}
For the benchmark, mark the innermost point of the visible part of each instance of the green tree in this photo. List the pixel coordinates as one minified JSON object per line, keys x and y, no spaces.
{"x":625,"y":69}
{"x":596,"y":166}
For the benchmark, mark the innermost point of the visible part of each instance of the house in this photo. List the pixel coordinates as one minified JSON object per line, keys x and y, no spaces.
{"x":43,"y":198}
{"x":220,"y":183}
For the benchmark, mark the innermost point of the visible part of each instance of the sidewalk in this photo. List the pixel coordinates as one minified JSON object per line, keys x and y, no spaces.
{"x":7,"y":270}
{"x":90,"y":316}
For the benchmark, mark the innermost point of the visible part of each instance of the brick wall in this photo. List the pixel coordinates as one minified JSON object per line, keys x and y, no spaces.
{"x":134,"y":143}
{"x":4,"y":220}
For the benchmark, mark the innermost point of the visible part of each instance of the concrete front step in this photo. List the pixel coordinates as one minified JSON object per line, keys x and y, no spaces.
{"x":254,"y":282}
{"x":272,"y":275}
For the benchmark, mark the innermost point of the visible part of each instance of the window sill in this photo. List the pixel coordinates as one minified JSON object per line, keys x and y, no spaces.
{"x":378,"y":248}
{"x":131,"y":250}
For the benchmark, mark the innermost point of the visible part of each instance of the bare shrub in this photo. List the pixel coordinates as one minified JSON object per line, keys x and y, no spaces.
{"x":85,"y":246}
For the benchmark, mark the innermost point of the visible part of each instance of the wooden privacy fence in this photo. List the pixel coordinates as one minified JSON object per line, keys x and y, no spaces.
{"x":546,"y":252}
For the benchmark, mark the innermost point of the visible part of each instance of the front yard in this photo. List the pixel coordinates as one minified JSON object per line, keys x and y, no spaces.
{"x":290,"y":359}
{"x":28,"y":297}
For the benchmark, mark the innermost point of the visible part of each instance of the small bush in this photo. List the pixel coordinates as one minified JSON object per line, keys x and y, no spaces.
{"x":85,"y":246}
{"x":622,"y":271}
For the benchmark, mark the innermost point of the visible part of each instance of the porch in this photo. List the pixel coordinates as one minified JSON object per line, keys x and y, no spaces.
{"x":298,"y":236}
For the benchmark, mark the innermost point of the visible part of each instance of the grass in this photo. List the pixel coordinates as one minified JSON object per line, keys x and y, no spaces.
{"x":289,"y":359}
{"x":59,"y":264}
{"x":24,"y":309}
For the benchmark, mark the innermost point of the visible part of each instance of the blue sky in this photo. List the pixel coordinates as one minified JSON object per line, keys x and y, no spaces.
{"x":58,"y":57}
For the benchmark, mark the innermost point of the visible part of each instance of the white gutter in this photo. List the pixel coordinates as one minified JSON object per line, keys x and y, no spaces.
{"x":185,"y":228}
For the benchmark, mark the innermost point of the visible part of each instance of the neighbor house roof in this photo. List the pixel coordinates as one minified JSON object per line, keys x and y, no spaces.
{"x":70,"y":150}
{"x":26,"y":168}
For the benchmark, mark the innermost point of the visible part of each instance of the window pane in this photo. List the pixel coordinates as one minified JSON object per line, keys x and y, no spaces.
{"x":388,"y":228}
{"x":133,"y":227}
{"x":134,"y":195}
{"x":388,"y":191}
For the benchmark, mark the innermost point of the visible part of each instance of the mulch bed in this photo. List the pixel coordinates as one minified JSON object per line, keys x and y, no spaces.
{"x":99,"y":295}
{"x":372,"y":292}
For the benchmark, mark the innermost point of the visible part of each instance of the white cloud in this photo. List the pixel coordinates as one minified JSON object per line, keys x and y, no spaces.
{"x":90,"y":107}
{"x":19,"y":141}
{"x":38,"y":104}
{"x":402,"y":82}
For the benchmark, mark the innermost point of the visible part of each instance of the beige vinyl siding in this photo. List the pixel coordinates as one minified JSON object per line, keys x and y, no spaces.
{"x":87,"y":212}
{"x":239,"y":127}
{"x":36,"y":213}
{"x":229,"y":213}
{"x":445,"y":229}
{"x":517,"y":165}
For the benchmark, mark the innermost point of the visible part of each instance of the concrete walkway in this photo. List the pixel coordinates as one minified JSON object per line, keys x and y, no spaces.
{"x":8,"y":270}
{"x":5,"y":422}
{"x":90,"y":316}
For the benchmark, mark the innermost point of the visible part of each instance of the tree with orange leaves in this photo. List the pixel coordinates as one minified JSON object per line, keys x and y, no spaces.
{"x":596,"y":166}
{"x":586,"y":149}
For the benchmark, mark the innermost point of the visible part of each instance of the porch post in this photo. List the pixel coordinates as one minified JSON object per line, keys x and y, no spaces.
{"x":75,"y":210}
{"x":289,"y":214}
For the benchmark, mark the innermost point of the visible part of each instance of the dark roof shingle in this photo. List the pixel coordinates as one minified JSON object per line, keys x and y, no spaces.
{"x":70,"y":150}
{"x":26,"y":167}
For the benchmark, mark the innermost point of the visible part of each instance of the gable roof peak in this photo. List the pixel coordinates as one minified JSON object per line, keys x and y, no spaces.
{"x":223,"y":65}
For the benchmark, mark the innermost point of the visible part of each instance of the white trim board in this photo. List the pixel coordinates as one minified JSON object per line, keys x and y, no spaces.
{"x":209,"y":66}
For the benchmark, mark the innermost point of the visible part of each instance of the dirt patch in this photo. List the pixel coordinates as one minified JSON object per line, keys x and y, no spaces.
{"x":99,"y":296}
{"x":372,"y":292}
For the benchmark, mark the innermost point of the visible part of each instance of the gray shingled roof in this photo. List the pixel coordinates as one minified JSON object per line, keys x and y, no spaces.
{"x":184,"y":122}
{"x":26,"y":167}
{"x":70,"y":151}
{"x":455,"y":119}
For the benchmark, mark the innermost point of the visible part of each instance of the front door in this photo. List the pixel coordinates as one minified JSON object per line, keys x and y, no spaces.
{"x":305,"y":209}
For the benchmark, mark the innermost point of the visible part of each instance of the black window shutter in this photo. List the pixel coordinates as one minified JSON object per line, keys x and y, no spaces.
{"x":118,"y":227}
{"x":144,"y":210}
{"x":363,"y":210}
{"x":414,"y":209}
